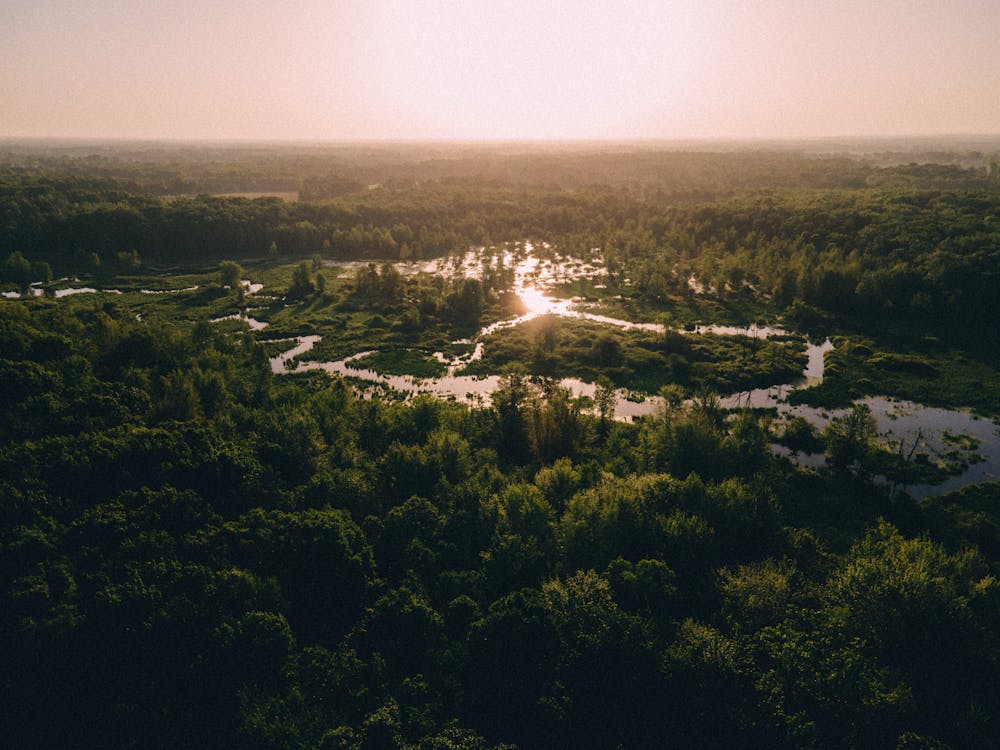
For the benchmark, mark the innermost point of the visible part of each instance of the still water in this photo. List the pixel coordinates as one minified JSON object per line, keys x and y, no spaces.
{"x":533,"y":281}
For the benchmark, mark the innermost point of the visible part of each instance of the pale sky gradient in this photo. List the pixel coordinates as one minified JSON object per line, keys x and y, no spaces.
{"x":498,"y":70}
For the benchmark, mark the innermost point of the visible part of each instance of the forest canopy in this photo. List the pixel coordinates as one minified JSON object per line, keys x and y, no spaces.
{"x":201,"y":550}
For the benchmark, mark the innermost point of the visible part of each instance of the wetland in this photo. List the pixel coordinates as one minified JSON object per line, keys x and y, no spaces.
{"x":692,"y":431}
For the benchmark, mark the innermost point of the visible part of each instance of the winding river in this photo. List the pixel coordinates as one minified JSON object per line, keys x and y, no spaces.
{"x":533,"y":279}
{"x":904,"y":421}
{"x":899,"y":422}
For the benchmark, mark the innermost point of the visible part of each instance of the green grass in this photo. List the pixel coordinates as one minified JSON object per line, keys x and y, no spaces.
{"x":640,"y":361}
{"x":204,"y":303}
{"x":400,"y":362}
{"x":931,"y":375}
{"x":676,"y":310}
{"x":924,"y":372}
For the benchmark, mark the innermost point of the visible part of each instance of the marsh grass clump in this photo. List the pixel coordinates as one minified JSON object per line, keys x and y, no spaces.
{"x":929,"y":374}
{"x":643,"y":361}
{"x":400,"y":362}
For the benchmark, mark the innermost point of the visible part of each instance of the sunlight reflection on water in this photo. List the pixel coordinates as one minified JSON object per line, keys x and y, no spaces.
{"x":896,"y":420}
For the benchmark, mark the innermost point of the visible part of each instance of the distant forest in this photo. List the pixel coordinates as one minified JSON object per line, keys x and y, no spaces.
{"x":917,"y":241}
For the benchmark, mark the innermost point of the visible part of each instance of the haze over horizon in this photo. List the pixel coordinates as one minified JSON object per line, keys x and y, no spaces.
{"x":442,"y":70}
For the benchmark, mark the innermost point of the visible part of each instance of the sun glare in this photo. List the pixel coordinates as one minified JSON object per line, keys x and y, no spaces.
{"x":535,"y":301}
{"x":498,"y":69}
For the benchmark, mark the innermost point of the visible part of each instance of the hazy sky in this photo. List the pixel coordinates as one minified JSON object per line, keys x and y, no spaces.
{"x":450,"y":69}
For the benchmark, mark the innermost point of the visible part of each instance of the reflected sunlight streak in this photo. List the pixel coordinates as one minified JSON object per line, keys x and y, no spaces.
{"x":535,"y":301}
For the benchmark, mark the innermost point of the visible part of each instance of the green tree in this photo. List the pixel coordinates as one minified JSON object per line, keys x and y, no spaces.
{"x":755,"y":595}
{"x":822,"y":687}
{"x":559,"y":482}
{"x":511,"y":665}
{"x":404,"y":629}
{"x":555,"y":426}
{"x":605,"y":398}
{"x":321,"y":558}
{"x":302,"y":285}
{"x":608,"y":673}
{"x":850,"y":439}
{"x":512,"y":401}
{"x":17,"y":269}
{"x":42,"y":271}
{"x":230,"y":274}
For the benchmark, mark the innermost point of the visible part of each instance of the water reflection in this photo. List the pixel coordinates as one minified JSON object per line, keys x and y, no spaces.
{"x":59,"y":293}
{"x":533,"y":280}
{"x":255,"y":325}
{"x":35,"y":290}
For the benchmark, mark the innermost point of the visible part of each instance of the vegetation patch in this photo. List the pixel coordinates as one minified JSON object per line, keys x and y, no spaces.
{"x":970,"y":514}
{"x":922,"y":467}
{"x":859,"y":367}
{"x":559,"y":347}
{"x":799,"y":434}
{"x":676,"y":310}
{"x":199,"y":553}
{"x":400,"y":362}
{"x":276,"y":347}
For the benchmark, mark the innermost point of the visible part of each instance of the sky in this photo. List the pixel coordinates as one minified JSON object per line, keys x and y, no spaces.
{"x":498,"y":70}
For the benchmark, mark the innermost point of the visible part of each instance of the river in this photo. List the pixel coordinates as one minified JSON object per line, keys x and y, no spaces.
{"x":533,"y":280}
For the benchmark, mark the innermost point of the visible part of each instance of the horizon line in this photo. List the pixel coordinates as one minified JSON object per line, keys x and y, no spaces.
{"x":540,"y":141}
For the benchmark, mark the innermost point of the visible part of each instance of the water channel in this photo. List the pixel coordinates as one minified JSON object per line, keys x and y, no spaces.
{"x":933,"y":428}
{"x":534,"y":277}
